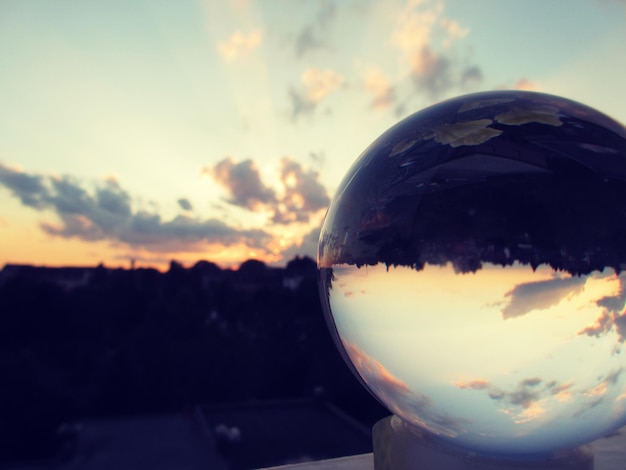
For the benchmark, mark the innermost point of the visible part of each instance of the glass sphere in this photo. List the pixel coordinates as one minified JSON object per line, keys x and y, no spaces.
{"x":472,"y":268}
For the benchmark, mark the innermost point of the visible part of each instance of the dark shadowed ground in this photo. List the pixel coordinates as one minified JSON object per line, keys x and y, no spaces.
{"x":91,"y":343}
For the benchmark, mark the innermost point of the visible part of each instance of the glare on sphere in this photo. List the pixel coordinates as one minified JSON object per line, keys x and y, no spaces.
{"x":473,"y":271}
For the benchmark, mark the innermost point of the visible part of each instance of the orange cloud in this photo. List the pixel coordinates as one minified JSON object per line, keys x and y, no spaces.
{"x":478,"y":384}
{"x":372,"y":369}
{"x":534,"y":411}
{"x":320,"y":83}
{"x":526,"y":84}
{"x":415,"y":25}
{"x":453,"y":28}
{"x":412,"y":406}
{"x":379,"y":86}
{"x":317,"y":84}
{"x":424,"y":35}
{"x":240,"y":44}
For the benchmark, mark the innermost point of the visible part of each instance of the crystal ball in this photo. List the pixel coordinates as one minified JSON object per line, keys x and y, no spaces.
{"x":472,"y":269}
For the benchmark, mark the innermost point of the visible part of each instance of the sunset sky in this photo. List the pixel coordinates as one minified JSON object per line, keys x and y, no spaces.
{"x":219,"y":130}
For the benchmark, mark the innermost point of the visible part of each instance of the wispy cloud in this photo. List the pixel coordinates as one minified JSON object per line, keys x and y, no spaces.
{"x":525,"y":402}
{"x":526,"y":84}
{"x":415,"y":25}
{"x":426,"y":38}
{"x":29,"y":189}
{"x":431,"y":64}
{"x":535,"y":398}
{"x":613,"y":314}
{"x":313,"y":35}
{"x":453,"y":29}
{"x":185,"y":204}
{"x":471,"y":77}
{"x":240,"y":44}
{"x":379,"y":86}
{"x":300,"y":104}
{"x":320,"y":83}
{"x":316,"y":85}
{"x":431,"y":71}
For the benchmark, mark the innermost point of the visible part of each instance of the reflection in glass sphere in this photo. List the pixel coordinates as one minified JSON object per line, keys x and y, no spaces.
{"x":473,"y":270}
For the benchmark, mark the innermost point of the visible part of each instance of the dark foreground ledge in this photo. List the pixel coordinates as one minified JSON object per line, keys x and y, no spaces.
{"x":609,"y":454}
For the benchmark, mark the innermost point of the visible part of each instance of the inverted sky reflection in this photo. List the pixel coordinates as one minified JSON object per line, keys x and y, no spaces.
{"x":504,"y":352}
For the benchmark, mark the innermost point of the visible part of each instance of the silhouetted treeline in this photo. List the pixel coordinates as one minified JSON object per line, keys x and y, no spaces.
{"x":107,"y":342}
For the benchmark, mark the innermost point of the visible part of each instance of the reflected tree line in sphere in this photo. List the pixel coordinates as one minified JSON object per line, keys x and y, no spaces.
{"x":573,"y":223}
{"x":523,"y":178}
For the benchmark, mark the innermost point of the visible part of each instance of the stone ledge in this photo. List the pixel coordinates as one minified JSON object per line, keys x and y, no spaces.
{"x":353,"y":462}
{"x":609,"y":454}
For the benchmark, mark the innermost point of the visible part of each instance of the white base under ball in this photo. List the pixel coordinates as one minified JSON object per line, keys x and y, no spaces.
{"x":398,"y":446}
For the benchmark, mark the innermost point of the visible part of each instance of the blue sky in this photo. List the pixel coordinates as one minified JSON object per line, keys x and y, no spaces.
{"x":188,"y":130}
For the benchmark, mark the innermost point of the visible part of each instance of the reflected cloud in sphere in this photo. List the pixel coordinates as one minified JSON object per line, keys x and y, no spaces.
{"x":472,"y":270}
